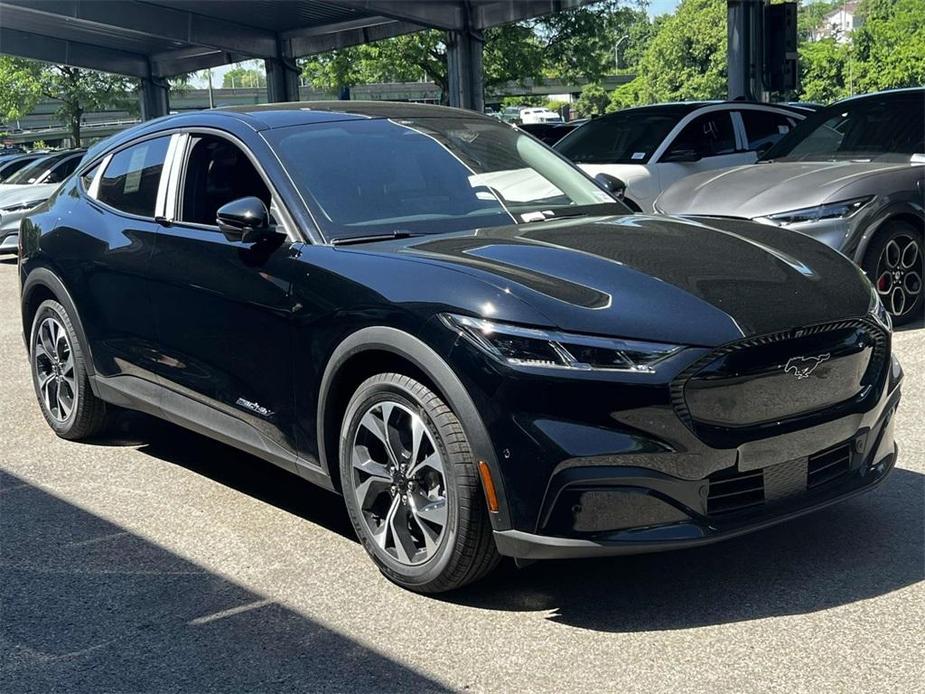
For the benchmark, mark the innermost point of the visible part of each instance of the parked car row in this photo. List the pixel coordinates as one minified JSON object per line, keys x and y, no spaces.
{"x":26,"y":181}
{"x":851,"y":174}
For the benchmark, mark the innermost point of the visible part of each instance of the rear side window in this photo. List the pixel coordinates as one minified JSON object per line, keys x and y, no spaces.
{"x":131,"y":180}
{"x":763,"y":128}
{"x":709,"y":135}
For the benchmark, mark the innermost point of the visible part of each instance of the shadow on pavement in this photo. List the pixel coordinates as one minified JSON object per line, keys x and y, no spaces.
{"x":88,"y":607}
{"x":863,"y":548}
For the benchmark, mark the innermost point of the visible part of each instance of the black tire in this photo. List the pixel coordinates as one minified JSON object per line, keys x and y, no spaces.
{"x":903,"y":278}
{"x":88,"y":415}
{"x":465,"y":551}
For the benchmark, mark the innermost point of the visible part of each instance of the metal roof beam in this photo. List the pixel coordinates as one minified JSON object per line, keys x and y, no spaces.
{"x":436,"y":15}
{"x":51,"y":50}
{"x":492,"y":14}
{"x":151,"y":20}
{"x":184,"y":60}
{"x":314,"y":43}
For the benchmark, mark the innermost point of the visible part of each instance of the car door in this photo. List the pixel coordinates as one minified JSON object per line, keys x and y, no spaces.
{"x":706,"y":142}
{"x":222,"y":308}
{"x":106,"y":257}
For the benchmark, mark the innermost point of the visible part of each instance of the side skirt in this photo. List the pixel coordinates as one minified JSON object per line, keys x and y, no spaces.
{"x":135,"y":393}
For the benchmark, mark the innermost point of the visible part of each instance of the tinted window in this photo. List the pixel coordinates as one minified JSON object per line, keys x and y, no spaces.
{"x":32,"y":172}
{"x":428,"y":175}
{"x":763,"y":128}
{"x":10,"y":167}
{"x":629,"y":137}
{"x":86,"y":179}
{"x":709,"y":135}
{"x":217,"y":172}
{"x":62,"y":170}
{"x":886,"y":127}
{"x":130,"y":181}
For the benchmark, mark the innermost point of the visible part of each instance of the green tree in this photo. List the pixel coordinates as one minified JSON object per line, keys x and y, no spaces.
{"x":19,"y":88}
{"x":76,"y":90}
{"x":594,"y":100}
{"x":824,"y":70}
{"x":242,"y":77}
{"x":685,"y":60}
{"x":889,"y":48}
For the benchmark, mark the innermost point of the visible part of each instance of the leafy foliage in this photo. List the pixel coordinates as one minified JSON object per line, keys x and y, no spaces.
{"x":686,"y":59}
{"x":242,"y":77}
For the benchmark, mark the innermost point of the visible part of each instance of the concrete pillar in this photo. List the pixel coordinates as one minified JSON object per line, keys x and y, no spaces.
{"x":155,"y":98}
{"x":282,"y":79}
{"x":464,"y":65}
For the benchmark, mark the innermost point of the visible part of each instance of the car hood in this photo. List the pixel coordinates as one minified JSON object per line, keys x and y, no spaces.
{"x":695,"y":282}
{"x":756,"y":190}
{"x":14,"y":194}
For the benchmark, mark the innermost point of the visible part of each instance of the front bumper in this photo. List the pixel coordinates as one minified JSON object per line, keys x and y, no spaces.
{"x":594,"y":464}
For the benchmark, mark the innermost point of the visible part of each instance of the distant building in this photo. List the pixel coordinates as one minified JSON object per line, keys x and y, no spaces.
{"x":839,"y":23}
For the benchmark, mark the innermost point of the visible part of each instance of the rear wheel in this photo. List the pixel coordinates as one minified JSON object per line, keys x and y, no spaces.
{"x":59,"y":375}
{"x":894,"y":265}
{"x":411,"y":486}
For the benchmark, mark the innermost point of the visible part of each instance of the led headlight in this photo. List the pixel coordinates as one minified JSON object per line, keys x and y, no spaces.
{"x":831,"y":210}
{"x":521,"y":346}
{"x":878,"y":311}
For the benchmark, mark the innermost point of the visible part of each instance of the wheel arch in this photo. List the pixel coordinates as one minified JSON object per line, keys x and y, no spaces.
{"x":42,"y":284}
{"x":370,"y":350}
{"x":902,"y":213}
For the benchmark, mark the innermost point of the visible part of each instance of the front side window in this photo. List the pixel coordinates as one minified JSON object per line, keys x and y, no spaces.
{"x":429,"y":175}
{"x":217,"y":172}
{"x":883,"y":128}
{"x":764,"y":128}
{"x":132,"y":177}
{"x":709,"y":135}
{"x":62,"y":170}
{"x":630,"y":137}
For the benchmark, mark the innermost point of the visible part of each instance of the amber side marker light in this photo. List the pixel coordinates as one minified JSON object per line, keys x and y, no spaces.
{"x":488,"y":484}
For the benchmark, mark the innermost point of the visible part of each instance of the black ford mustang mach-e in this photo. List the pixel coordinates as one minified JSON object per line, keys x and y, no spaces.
{"x":472,"y":341}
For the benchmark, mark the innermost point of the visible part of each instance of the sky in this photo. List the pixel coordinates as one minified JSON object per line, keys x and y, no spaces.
{"x":656,"y":7}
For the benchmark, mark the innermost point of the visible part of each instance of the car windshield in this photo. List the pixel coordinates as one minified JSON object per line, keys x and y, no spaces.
{"x":629,"y":137}
{"x":430,"y":175}
{"x":32,"y":172}
{"x":889,"y":127}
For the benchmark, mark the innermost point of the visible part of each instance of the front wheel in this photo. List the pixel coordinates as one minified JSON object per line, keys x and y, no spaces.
{"x":894,"y":264}
{"x":411,"y":486}
{"x":59,"y":374}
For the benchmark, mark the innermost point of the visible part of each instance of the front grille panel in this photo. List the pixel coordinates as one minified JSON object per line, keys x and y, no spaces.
{"x":741,"y":412}
{"x":731,"y":491}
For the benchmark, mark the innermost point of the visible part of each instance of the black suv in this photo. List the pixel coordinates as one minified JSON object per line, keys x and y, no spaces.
{"x":435,"y":315}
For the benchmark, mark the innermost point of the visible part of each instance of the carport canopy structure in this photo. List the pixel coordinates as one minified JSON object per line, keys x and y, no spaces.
{"x":156,"y":39}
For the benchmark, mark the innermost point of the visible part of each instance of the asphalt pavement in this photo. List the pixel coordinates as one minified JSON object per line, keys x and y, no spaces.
{"x":156,"y":560}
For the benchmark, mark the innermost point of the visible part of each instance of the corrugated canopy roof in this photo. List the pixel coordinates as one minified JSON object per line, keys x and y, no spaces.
{"x":161,"y":38}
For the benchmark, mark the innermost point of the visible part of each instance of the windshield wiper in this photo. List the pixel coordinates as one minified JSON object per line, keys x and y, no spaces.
{"x":600,"y":209}
{"x":397,"y":234}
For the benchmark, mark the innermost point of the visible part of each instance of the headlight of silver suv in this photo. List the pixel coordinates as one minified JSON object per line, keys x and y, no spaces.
{"x":831,"y":210}
{"x":519,"y":346}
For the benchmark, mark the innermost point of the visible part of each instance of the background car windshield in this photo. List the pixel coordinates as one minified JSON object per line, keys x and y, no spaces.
{"x":630,"y":137}
{"x":427,"y":175}
{"x":887,"y":128}
{"x":32,"y":172}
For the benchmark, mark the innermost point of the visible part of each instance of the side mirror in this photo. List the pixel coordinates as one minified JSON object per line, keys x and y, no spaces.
{"x":611,"y":184}
{"x":246,"y":220}
{"x":682,"y":155}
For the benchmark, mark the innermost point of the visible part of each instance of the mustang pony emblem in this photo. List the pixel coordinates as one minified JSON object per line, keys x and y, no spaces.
{"x":802,"y":367}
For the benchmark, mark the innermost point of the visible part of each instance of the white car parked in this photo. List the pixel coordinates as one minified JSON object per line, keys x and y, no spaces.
{"x":651,"y":147}
{"x":530,"y":116}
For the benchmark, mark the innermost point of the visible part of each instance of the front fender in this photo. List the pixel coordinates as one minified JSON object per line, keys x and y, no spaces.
{"x":424,"y":358}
